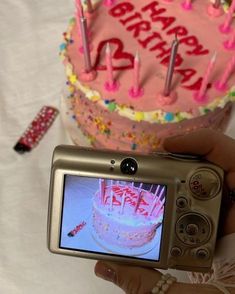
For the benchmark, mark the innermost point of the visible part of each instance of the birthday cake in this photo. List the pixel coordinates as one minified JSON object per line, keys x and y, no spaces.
{"x":127,"y":216}
{"x":182,"y":78}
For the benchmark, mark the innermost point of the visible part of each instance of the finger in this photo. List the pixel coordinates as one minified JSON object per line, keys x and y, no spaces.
{"x":133,"y":280}
{"x":214,"y":146}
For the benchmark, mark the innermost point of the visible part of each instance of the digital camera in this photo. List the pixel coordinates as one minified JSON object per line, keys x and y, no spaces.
{"x":159,"y":210}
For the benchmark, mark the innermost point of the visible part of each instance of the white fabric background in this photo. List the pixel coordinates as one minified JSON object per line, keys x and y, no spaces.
{"x":31,"y":75}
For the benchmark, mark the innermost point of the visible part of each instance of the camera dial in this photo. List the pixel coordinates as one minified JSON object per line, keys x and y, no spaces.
{"x":129,"y":166}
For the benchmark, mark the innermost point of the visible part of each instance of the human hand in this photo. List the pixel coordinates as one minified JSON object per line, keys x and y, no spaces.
{"x":220,"y":150}
{"x":214,"y":147}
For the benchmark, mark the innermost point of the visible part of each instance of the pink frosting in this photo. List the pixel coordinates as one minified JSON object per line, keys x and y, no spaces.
{"x":194,"y":57}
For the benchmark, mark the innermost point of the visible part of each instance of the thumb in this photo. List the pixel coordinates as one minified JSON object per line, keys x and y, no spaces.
{"x":212,"y":145}
{"x":131,"y":279}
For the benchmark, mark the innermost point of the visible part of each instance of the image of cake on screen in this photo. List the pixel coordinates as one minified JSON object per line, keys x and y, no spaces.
{"x":113,"y":217}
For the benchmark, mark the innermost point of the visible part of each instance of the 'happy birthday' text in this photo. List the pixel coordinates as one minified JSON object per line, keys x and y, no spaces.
{"x":153,"y":41}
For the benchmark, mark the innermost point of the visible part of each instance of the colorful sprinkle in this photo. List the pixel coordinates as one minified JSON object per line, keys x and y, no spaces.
{"x":133,"y":146}
{"x":112,"y":106}
{"x":63,"y":46}
{"x":139,"y":116}
{"x":95,"y":98}
{"x":73,"y":79}
{"x":72,"y":21}
{"x":71,"y":89}
{"x":169,"y":116}
{"x":206,"y":110}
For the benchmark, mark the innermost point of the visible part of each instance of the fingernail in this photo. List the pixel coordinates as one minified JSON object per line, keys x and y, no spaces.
{"x":105,"y":272}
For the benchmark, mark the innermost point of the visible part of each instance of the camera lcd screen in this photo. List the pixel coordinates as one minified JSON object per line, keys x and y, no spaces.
{"x":112,"y":217}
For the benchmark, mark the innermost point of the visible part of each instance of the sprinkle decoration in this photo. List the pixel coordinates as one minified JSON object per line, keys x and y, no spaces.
{"x":36,"y":130}
{"x":169,"y":116}
{"x":77,"y":229}
{"x":73,"y":79}
{"x":63,"y":46}
{"x":112,"y":106}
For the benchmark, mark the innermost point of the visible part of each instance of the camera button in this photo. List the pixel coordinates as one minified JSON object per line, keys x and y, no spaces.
{"x":176,"y":251}
{"x":192,"y":229}
{"x":181,"y":202}
{"x":204,"y":183}
{"x":202,"y":254}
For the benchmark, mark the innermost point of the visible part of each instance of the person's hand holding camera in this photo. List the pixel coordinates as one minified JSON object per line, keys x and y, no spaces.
{"x":216,"y":148}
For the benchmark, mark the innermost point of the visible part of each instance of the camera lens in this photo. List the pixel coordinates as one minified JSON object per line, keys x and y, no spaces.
{"x":129,"y":166}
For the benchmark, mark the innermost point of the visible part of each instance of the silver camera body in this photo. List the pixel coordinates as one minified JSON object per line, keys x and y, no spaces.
{"x":158,"y":210}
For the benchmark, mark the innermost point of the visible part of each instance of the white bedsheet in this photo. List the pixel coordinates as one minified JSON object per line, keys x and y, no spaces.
{"x":31,"y":75}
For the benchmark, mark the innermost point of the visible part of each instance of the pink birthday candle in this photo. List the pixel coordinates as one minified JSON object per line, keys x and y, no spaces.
{"x":102,"y":190}
{"x":110,"y":85}
{"x":136,"y":91}
{"x":217,"y":4}
{"x":78,"y":14}
{"x":111,"y":196}
{"x":138,"y":196}
{"x":156,"y":200}
{"x":187,"y":4}
{"x":227,"y":73}
{"x":201,"y":94}
{"x":170,"y":71}
{"x":138,"y":201}
{"x":160,"y":206}
{"x":215,"y":9}
{"x":78,"y":5}
{"x":109,"y":2}
{"x":136,"y":73}
{"x":89,"y":6}
{"x":85,"y":43}
{"x":108,"y":58}
{"x":230,"y":43}
{"x":225,"y":27}
{"x":123,"y":203}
